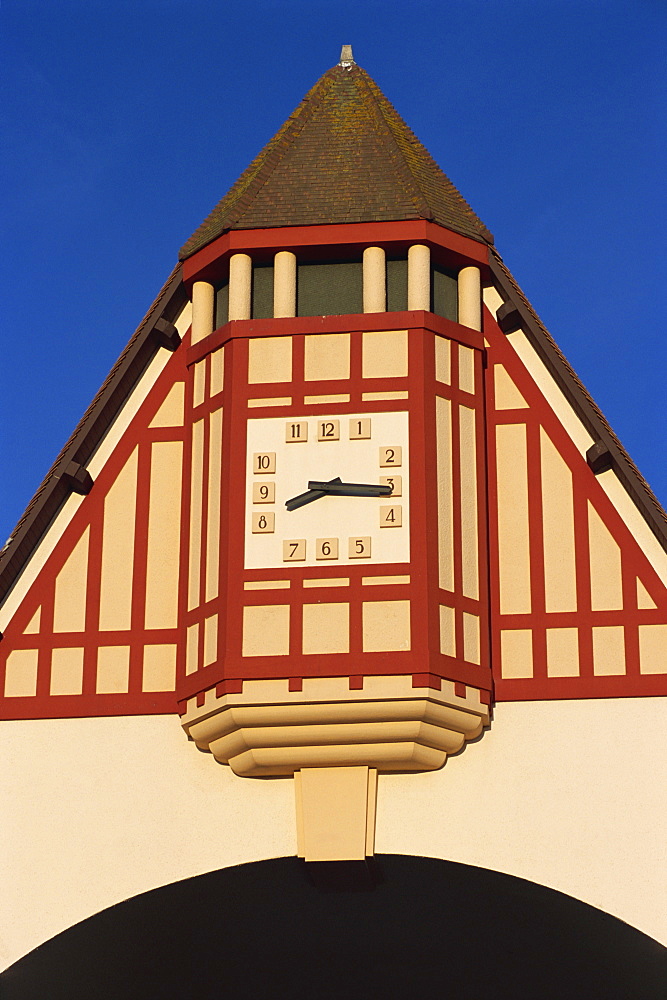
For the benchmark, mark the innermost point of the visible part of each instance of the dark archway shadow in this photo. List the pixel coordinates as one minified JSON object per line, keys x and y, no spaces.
{"x":429,"y":928}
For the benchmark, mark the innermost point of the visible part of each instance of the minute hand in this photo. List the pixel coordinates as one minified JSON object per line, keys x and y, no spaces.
{"x":351,"y":489}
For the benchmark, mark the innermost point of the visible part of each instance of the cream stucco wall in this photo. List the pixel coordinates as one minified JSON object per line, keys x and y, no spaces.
{"x":566,"y":794}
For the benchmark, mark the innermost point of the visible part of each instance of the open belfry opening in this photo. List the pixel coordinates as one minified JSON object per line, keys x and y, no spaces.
{"x":339,"y":497}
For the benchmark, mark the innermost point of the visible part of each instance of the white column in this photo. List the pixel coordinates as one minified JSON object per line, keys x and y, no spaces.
{"x":470,"y":298}
{"x":375,"y":280}
{"x":240,"y":286}
{"x":419,"y":277}
{"x":284,"y":284}
{"x":203,"y":306}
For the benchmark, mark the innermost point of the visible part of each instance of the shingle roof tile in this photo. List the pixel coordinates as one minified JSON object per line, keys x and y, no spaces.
{"x":343,"y":155}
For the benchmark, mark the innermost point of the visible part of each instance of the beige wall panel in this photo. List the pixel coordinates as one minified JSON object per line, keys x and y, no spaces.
{"x":634,"y":521}
{"x":384,"y":354}
{"x":334,"y":397}
{"x":516,"y":653}
{"x":159,"y":673}
{"x":327,"y":356}
{"x":492,"y":300}
{"x":653,"y":649}
{"x":284,"y":284}
{"x":217,"y":361}
{"x":266,"y":630}
{"x":513,"y":541}
{"x":644,"y":599}
{"x":196,"y":497}
{"x":605,"y":556}
{"x":69,"y":612}
{"x":203,"y":307}
{"x":560,"y":581}
{"x":443,"y":424}
{"x":66,"y":671}
{"x":374,"y":280}
{"x":419,"y":277}
{"x":117,"y":823}
{"x":563,"y":652}
{"x":333,"y":802}
{"x":21,"y":673}
{"x":447,"y":633}
{"x":164,"y":526}
{"x":395,"y":394}
{"x":443,"y":360}
{"x":113,"y":669}
{"x":112,"y":812}
{"x":551,"y":390}
{"x":210,"y":640}
{"x":469,"y":528}
{"x":608,"y":650}
{"x":170,"y":413}
{"x":213,"y":513}
{"x":258,"y":402}
{"x":470,"y":297}
{"x":118,"y":549}
{"x":386,"y":625}
{"x":326,"y":628}
{"x":506,"y":394}
{"x":269,"y":359}
{"x":192,"y":649}
{"x":466,"y":368}
{"x":199,"y":382}
{"x":32,"y":628}
{"x":471,"y":642}
{"x":557,"y":792}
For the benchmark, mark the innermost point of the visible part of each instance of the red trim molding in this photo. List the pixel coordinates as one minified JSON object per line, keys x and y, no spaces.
{"x":210,"y":262}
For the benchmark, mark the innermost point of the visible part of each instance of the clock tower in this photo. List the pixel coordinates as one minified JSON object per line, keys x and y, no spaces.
{"x":334,"y":582}
{"x":339,"y":497}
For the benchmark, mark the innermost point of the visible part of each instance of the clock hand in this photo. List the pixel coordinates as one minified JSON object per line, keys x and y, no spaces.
{"x":337,"y":488}
{"x":312,"y":494}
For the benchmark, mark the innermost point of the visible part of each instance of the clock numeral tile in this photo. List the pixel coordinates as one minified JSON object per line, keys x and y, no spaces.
{"x":263,"y":492}
{"x":396,"y":483}
{"x":294,"y":550}
{"x":391,"y":457}
{"x":328,"y":430}
{"x":296,"y":431}
{"x":360,"y":428}
{"x":359,"y":548}
{"x":326,"y":548}
{"x":391,"y":517}
{"x":263,"y":523}
{"x":263,"y":462}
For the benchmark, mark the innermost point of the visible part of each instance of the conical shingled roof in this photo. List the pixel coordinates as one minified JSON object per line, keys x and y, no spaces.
{"x":343,"y":156}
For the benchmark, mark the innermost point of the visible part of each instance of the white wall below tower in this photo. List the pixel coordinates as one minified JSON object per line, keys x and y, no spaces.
{"x":565,"y":794}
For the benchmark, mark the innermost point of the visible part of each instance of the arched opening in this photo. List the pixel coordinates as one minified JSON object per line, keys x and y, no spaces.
{"x":427,"y":928}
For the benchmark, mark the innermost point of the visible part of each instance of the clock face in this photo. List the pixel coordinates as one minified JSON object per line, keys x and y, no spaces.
{"x":284,"y":455}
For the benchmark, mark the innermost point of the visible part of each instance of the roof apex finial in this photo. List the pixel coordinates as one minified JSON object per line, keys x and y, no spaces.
{"x":346,"y":57}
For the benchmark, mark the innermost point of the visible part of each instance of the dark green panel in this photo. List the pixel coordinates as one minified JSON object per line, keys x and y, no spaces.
{"x":444,"y":294}
{"x":329,"y":289}
{"x":397,"y":285}
{"x":221,"y":305}
{"x":262,"y":291}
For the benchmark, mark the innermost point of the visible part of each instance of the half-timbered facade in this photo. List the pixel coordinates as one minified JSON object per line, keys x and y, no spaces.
{"x":342,"y":316}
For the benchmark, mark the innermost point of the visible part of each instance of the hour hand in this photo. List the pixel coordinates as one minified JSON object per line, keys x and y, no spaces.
{"x":339,"y":489}
{"x":312,"y":494}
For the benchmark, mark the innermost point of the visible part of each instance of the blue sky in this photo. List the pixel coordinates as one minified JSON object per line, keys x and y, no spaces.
{"x":126,"y":122}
